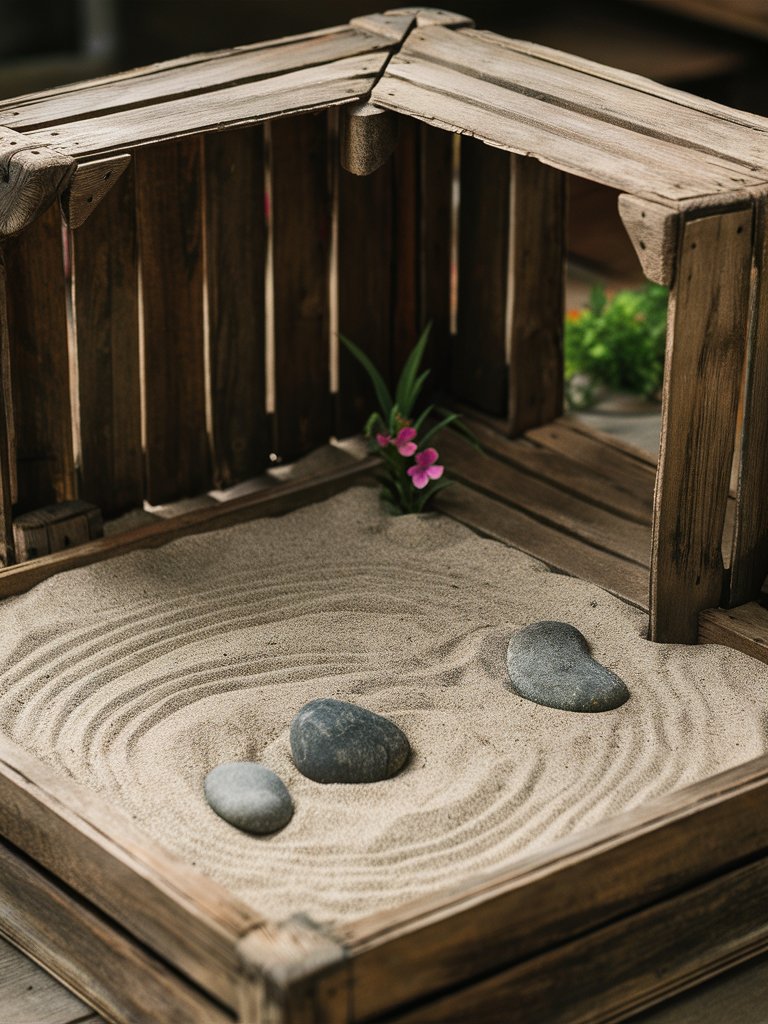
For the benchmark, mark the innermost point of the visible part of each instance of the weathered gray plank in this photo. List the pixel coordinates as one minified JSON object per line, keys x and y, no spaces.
{"x":30,"y":996}
{"x":705,"y":350}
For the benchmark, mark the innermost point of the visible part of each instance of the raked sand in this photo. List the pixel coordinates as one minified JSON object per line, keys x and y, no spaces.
{"x":138,"y":675}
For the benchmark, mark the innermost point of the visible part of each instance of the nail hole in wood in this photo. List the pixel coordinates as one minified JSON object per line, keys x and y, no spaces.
{"x":107,"y":175}
{"x":693,"y":245}
{"x":642,"y":245}
{"x":739,"y":229}
{"x":89,"y":199}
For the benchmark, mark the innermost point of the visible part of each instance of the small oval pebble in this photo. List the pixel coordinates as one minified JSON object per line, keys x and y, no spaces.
{"x":549,"y":663}
{"x":334,"y":741}
{"x":249,"y":796}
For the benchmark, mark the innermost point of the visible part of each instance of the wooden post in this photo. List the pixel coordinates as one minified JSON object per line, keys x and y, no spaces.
{"x":705,"y":350}
{"x":537,"y":261}
{"x":7,"y":454}
{"x":749,"y":564}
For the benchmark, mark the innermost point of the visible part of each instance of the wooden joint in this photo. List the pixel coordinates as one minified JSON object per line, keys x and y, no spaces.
{"x":654,"y":231}
{"x":290,"y":967}
{"x":89,"y":184}
{"x":394,"y":25}
{"x":32,"y":175}
{"x":56,"y":528}
{"x":369,"y":136}
{"x":426,"y":16}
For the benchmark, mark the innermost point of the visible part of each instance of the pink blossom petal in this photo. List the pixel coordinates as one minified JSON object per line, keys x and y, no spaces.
{"x":434,"y":472}
{"x":383,"y":440}
{"x":427,"y":457}
{"x":418,"y":477}
{"x":407,"y":449}
{"x":405,"y":434}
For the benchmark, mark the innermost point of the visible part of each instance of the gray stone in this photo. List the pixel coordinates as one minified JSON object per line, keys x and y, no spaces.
{"x":334,"y":741}
{"x":249,"y":796}
{"x":549,"y":663}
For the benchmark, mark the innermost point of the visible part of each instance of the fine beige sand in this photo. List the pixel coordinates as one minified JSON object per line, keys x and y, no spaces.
{"x":138,"y":675}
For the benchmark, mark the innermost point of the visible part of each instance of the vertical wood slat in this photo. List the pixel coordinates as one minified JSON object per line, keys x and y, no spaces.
{"x":406,"y":224}
{"x":364,"y":289}
{"x":436,"y":186}
{"x":749,"y":565}
{"x":37,"y":328}
{"x":301,"y":224}
{"x":479,"y":364}
{"x":235,"y":234}
{"x":7,"y":447}
{"x":705,"y":349}
{"x":106,"y":309}
{"x":169,"y":209}
{"x":537,"y":257}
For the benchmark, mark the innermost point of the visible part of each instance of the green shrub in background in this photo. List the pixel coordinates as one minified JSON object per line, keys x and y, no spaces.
{"x":617,"y":344}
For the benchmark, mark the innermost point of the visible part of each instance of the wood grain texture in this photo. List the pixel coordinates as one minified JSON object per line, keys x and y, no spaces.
{"x":705,"y":350}
{"x":749,"y":564}
{"x":235,"y":232}
{"x":654,"y":231}
{"x":616,"y":970}
{"x":170,"y":214}
{"x":7,"y":441}
{"x":314,"y":88}
{"x":744,"y":628}
{"x":406,"y":246}
{"x":89,"y":184}
{"x":37,"y":328}
{"x":122,"y":979}
{"x":537,"y":258}
{"x":30,"y":996}
{"x":96,"y":849}
{"x":479,"y":363}
{"x":636,"y":860}
{"x":435,"y":269}
{"x":31,"y":177}
{"x":368,"y":137}
{"x":275,"y":501}
{"x":365,"y":286}
{"x":105,"y":278}
{"x":301,"y":209}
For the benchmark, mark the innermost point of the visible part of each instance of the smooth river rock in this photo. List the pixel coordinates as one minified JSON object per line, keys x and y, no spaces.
{"x":334,"y":741}
{"x":549,"y":663}
{"x":249,"y":796}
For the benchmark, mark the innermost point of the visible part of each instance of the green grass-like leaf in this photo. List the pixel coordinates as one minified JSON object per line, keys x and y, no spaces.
{"x":382,"y":391}
{"x":408,"y":386}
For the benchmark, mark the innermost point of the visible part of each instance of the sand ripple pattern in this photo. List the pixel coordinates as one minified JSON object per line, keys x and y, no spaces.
{"x":138,"y":675}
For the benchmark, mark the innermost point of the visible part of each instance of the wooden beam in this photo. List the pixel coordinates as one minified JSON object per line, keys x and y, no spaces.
{"x":369,"y":135}
{"x":32,"y":174}
{"x":653,"y":230}
{"x":705,"y":350}
{"x":89,"y":184}
{"x":537,"y":263}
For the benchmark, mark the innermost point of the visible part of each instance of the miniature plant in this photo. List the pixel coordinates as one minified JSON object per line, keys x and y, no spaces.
{"x":617,"y":343}
{"x":412,"y":474}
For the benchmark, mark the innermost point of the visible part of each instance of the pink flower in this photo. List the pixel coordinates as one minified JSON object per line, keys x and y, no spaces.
{"x":425,"y":468}
{"x":404,"y":442}
{"x":383,"y":440}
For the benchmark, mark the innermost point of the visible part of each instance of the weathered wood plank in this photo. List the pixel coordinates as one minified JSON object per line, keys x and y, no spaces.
{"x":567,"y":554}
{"x":479,"y":363}
{"x":537,"y":258}
{"x":37,"y":328}
{"x":275,"y":501}
{"x":235,"y":261}
{"x":406,"y":255}
{"x":749,"y":565}
{"x":32,"y":175}
{"x":189,"y":76}
{"x":169,"y":211}
{"x":97,"y":850}
{"x":365,"y":284}
{"x":744,"y":629}
{"x":578,"y":885}
{"x":705,"y":351}
{"x":615,"y":972}
{"x":7,"y":441}
{"x":654,"y":231}
{"x":91,"y":181}
{"x":314,"y":88}
{"x":301,"y":210}
{"x":29,"y":994}
{"x":435,"y":271}
{"x":121,"y":978}
{"x":105,"y":280}
{"x":613,"y":155}
{"x":543,"y":500}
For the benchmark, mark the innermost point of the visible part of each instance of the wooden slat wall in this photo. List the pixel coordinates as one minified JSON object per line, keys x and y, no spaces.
{"x":7,"y":447}
{"x":479,"y":365}
{"x":37,"y":328}
{"x":435,"y":266}
{"x":235,"y":266}
{"x":301,"y":211}
{"x":406,"y":244}
{"x":106,"y":308}
{"x":169,"y":208}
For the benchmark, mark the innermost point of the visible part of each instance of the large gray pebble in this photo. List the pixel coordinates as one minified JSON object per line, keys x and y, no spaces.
{"x":334,"y":741}
{"x":549,"y":663}
{"x":249,"y":796}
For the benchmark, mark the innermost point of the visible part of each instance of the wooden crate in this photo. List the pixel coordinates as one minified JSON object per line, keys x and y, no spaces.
{"x":211,"y":248}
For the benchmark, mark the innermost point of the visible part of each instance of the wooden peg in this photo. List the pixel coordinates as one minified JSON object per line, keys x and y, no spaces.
{"x":31,"y":176}
{"x":653,"y":230}
{"x":90,"y":183}
{"x":368,"y":137}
